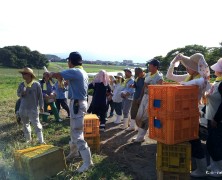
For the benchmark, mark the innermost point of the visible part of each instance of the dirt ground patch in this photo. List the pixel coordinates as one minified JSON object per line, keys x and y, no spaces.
{"x":138,"y":158}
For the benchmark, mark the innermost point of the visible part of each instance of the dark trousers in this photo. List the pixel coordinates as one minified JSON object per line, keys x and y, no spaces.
{"x":100,"y":111}
{"x":197,"y":150}
{"x":118,"y":108}
{"x":214,"y":141}
{"x":63,"y":103}
{"x":110,"y":103}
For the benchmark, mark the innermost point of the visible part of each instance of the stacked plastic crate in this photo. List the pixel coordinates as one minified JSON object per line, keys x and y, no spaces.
{"x":173,"y":120}
{"x":91,"y":132}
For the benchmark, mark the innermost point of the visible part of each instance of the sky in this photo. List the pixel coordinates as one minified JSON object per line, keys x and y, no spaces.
{"x":113,"y":30}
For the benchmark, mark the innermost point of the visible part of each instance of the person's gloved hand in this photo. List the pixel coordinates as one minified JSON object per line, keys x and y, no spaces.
{"x":183,"y":83}
{"x":176,"y":59}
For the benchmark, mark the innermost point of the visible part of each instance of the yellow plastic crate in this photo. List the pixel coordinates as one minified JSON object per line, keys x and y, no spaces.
{"x":162,"y":175}
{"x":91,"y":125}
{"x":39,"y":162}
{"x":174,"y":158}
{"x":93,"y":143}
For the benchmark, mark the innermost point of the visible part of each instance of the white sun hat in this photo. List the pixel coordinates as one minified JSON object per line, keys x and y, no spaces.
{"x":217,"y":66}
{"x":197,"y":63}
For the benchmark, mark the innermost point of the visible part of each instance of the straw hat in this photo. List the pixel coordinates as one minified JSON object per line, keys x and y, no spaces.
{"x":28,"y":71}
{"x":217,"y":66}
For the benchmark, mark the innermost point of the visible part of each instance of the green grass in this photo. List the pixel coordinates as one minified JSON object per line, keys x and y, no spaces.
{"x":11,"y":135}
{"x":89,"y":68}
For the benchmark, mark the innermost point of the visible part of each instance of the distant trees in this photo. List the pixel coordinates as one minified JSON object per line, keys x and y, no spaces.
{"x":211,"y":55}
{"x":21,"y":56}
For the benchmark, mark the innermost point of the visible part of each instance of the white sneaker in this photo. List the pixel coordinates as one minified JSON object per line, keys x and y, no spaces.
{"x":60,"y":120}
{"x":133,"y":126}
{"x":130,"y":129}
{"x":140,"y":135}
{"x":136,"y":139}
{"x":118,"y":119}
{"x":117,"y":122}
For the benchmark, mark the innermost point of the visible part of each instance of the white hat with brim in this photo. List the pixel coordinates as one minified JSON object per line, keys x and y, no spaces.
{"x":127,"y":69}
{"x":217,"y":67}
{"x":119,"y":75}
{"x":28,"y":71}
{"x":192,"y":61}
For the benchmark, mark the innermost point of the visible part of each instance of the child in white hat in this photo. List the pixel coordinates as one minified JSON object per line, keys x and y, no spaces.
{"x":117,"y":99}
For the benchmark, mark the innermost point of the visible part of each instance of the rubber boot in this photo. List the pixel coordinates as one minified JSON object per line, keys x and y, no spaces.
{"x":140,"y":135}
{"x":118,"y":119}
{"x":74,"y":153}
{"x":87,"y":160}
{"x":133,"y":126}
{"x":212,"y":165}
{"x":28,"y":137}
{"x":216,"y":169}
{"x":125,"y":123}
{"x":201,"y":168}
{"x":40,"y":137}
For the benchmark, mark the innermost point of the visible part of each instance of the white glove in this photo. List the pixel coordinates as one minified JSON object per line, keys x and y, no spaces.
{"x":182,"y":83}
{"x":188,"y":83}
{"x":175,"y":60}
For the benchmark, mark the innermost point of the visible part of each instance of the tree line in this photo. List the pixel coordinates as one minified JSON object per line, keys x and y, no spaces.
{"x":211,"y":54}
{"x":22,"y":56}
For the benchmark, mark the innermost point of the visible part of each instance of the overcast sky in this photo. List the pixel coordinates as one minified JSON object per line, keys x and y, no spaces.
{"x":110,"y":29}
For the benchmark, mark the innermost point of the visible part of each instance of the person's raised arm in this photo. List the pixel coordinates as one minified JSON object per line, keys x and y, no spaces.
{"x":57,"y":75}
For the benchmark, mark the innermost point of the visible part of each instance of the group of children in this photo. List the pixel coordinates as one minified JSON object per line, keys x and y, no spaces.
{"x":54,"y":96}
{"x":130,"y":99}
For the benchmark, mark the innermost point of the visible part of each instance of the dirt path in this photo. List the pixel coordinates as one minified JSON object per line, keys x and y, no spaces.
{"x":139,"y":158}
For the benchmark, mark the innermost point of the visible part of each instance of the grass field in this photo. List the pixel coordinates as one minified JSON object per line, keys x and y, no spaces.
{"x":11,"y":135}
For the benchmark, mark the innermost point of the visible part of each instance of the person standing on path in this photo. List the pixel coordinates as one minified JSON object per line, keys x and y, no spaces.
{"x":138,"y":86}
{"x":197,"y":74}
{"x":127,"y":95}
{"x":214,"y":117}
{"x":117,"y":99}
{"x":101,"y":88}
{"x":78,"y":85}
{"x":153,"y":77}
